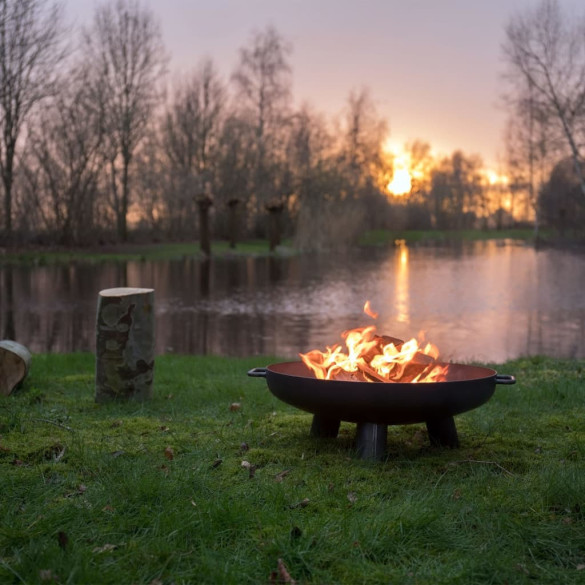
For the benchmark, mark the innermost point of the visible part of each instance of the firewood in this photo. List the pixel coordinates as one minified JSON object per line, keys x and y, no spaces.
{"x":124,"y":344}
{"x":15,"y":362}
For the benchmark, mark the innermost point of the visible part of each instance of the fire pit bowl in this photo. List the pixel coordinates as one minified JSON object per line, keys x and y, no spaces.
{"x":373,"y":406}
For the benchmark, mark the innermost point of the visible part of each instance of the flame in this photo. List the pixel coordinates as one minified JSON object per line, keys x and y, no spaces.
{"x":374,"y":358}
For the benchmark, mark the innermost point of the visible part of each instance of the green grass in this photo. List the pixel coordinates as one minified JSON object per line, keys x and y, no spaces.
{"x":156,"y":493}
{"x":138,"y":252}
{"x":384,"y":237}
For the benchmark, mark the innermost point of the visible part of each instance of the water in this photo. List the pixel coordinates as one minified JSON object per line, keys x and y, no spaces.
{"x":485,"y":301}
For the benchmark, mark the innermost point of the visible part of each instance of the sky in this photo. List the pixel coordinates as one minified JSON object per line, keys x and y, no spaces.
{"x":433,"y":67}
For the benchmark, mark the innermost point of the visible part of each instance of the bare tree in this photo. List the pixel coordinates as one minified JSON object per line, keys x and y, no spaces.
{"x":545,"y":50}
{"x":263,"y":88}
{"x":363,"y":134}
{"x":31,"y":49}
{"x":125,"y":52}
{"x":65,"y":162}
{"x":191,"y":135}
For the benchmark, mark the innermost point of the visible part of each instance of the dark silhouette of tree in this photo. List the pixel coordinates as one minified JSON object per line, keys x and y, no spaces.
{"x":31,"y":49}
{"x":64,"y":161}
{"x":545,"y":50}
{"x":456,"y":189}
{"x":262,"y":81}
{"x":125,"y":53}
{"x":191,"y":136}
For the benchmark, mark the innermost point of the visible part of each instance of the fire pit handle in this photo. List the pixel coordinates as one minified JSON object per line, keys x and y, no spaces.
{"x":505,"y":379}
{"x":257,"y":373}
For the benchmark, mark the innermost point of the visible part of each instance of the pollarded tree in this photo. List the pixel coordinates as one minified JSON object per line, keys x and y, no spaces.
{"x":125,"y":53}
{"x":191,"y":136}
{"x":262,"y":81}
{"x":545,"y":51}
{"x":31,"y":49}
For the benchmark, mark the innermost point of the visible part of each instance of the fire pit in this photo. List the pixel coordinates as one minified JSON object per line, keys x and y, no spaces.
{"x":404,"y":386}
{"x":375,"y":406}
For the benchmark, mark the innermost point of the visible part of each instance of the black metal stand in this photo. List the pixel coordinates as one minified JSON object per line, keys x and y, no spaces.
{"x":371,"y":441}
{"x":443,"y":432}
{"x":324,"y":427}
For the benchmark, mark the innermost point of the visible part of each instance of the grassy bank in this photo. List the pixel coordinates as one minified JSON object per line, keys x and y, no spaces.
{"x":174,"y":250}
{"x":138,"y":252}
{"x":384,"y":237}
{"x":158,"y":493}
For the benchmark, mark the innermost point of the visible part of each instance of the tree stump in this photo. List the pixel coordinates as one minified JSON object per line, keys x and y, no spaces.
{"x":124,"y":344}
{"x":14,"y":365}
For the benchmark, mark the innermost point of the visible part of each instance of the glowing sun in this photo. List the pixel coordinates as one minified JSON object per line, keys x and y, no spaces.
{"x":401,"y":182}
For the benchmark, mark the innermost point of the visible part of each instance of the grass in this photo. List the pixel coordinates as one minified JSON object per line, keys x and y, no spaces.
{"x":384,"y":237}
{"x":156,"y":493}
{"x":138,"y":252}
{"x":219,"y":248}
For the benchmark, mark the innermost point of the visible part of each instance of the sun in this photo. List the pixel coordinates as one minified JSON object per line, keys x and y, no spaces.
{"x":401,"y":183}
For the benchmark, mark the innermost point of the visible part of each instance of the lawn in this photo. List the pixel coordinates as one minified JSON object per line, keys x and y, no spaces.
{"x":216,"y":481}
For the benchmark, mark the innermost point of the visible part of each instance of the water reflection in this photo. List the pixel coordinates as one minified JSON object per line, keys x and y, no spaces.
{"x":475,"y":301}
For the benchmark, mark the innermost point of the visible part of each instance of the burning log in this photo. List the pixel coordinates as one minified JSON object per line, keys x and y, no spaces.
{"x":124,"y":344}
{"x":376,"y":358}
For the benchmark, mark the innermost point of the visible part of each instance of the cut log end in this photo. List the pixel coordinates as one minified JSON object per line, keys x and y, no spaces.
{"x":15,"y":360}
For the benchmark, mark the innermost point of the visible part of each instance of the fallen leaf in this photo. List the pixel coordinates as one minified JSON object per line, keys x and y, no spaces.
{"x":352,"y":497}
{"x":235,"y":406}
{"x":302,"y":504}
{"x":246,"y":464}
{"x":47,"y":575}
{"x":63,"y":539}
{"x":164,"y":429}
{"x":169,"y":453}
{"x":283,"y":573}
{"x":116,"y":423}
{"x":117,"y":453}
{"x":457,"y":494}
{"x":244,"y":447}
{"x":216,"y":463}
{"x":108,"y":508}
{"x":280,"y":476}
{"x":104,"y":548}
{"x":193,"y":504}
{"x":580,"y":567}
{"x":82,"y":488}
{"x":17,"y":462}
{"x":296,"y":532}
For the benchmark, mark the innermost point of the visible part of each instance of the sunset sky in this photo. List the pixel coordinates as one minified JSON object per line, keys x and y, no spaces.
{"x":433,"y":67}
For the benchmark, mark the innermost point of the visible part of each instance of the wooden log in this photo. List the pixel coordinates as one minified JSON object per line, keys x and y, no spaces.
{"x":124,"y":344}
{"x":15,"y":362}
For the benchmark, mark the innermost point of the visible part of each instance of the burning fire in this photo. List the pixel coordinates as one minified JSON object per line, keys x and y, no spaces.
{"x":376,"y":358}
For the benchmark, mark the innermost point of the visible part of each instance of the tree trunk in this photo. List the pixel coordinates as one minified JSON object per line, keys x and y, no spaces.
{"x":124,"y":344}
{"x":14,"y":365}
{"x":233,"y":205}
{"x":274,"y":214}
{"x":204,"y":203}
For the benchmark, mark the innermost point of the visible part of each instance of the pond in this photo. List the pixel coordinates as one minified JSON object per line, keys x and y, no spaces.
{"x":485,"y":301}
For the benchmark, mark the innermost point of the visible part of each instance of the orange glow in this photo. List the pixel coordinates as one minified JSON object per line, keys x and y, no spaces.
{"x":374,"y":358}
{"x":401,"y":182}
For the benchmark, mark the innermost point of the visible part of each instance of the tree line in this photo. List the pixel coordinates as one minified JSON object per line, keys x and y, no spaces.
{"x":100,"y":144}
{"x":544,"y":50}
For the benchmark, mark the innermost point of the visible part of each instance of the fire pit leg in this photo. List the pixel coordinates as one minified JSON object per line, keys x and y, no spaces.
{"x":324,"y":427}
{"x":443,"y":432}
{"x":371,"y":440}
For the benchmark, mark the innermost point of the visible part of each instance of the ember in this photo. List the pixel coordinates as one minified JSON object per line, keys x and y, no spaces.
{"x":376,"y":358}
